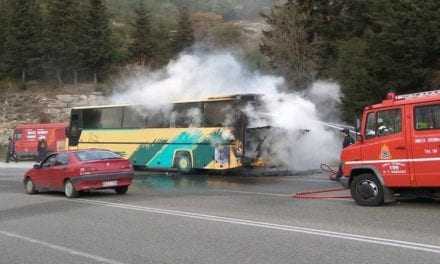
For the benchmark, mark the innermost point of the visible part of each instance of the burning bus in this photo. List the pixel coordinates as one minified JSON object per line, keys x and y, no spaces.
{"x":212,"y":133}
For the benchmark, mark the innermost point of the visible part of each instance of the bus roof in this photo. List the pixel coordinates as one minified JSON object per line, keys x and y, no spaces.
{"x":209,"y":99}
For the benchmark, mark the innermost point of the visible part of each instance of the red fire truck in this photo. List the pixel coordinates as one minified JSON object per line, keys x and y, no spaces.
{"x":26,"y":138}
{"x":397,"y":152}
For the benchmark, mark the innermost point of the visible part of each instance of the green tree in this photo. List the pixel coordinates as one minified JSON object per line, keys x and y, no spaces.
{"x":401,"y":45}
{"x":142,"y":47}
{"x":184,"y":37}
{"x":98,"y":48}
{"x":64,"y":39}
{"x":406,"y":42}
{"x":287,"y":44}
{"x":4,"y":27}
{"x":355,"y":72}
{"x":22,"y":46}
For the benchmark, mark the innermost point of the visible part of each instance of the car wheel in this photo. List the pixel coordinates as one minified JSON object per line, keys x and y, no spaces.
{"x":183,"y":162}
{"x":29,"y":186}
{"x":121,"y":189}
{"x":367,"y":190}
{"x":69,"y":190}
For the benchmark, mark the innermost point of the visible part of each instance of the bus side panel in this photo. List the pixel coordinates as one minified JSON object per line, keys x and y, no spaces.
{"x":161,"y":145}
{"x":146,"y":152}
{"x":203,"y":155}
{"x":185,"y":141}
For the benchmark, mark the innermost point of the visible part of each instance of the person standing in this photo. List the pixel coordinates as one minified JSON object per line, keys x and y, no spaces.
{"x":11,"y":151}
{"x":41,"y":150}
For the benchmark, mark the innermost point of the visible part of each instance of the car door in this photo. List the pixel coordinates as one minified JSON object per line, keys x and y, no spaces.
{"x":59,"y":171}
{"x":43,"y":174}
{"x":385,"y":146}
{"x":425,"y":140}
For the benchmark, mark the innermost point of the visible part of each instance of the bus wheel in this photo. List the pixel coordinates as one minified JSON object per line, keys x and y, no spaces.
{"x":182,"y":162}
{"x":367,"y":190}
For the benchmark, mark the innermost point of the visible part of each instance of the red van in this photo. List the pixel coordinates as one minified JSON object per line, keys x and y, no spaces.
{"x":26,"y":138}
{"x":398,"y":150}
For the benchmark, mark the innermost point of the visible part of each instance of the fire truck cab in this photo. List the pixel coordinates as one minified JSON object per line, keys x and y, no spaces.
{"x":397,"y":152}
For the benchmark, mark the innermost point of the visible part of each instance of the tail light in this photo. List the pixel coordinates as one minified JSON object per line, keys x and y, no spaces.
{"x":127,"y":166}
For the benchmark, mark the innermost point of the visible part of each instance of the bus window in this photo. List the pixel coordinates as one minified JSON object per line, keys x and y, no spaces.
{"x":186,"y":115}
{"x":102,"y":118}
{"x":157,"y":119}
{"x":219,"y":114}
{"x":91,"y":118}
{"x":133,"y":118}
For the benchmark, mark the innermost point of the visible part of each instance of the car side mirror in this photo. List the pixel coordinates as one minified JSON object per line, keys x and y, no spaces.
{"x":37,"y":166}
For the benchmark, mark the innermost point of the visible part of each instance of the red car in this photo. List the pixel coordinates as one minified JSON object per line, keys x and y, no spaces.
{"x":81,"y":170}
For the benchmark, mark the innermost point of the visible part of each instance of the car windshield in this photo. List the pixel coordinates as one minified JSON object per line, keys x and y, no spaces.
{"x":96,"y":155}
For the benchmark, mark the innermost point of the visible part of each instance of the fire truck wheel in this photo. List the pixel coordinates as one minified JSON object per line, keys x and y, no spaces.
{"x":367,"y":190}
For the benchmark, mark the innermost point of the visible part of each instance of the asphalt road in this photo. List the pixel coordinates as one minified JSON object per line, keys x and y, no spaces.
{"x":201,"y":219}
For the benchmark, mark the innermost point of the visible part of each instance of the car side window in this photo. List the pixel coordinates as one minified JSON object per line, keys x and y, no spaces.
{"x":62,"y":159}
{"x":49,"y":161}
{"x":370,"y":127}
{"x":389,"y":122}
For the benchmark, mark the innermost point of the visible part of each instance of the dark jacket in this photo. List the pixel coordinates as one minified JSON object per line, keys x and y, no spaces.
{"x":42,"y":150}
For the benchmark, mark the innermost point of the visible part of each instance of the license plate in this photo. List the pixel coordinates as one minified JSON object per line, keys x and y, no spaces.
{"x":109,"y":183}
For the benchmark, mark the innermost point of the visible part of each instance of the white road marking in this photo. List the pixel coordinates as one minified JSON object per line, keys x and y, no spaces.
{"x":61,"y":248}
{"x":296,"y":229}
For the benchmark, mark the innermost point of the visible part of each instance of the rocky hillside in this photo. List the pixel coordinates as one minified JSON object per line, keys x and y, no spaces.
{"x":40,"y":104}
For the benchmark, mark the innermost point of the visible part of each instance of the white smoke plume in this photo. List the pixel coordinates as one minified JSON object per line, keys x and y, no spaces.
{"x":303,"y":142}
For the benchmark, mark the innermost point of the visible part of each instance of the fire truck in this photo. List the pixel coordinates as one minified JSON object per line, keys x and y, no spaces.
{"x":397,"y":153}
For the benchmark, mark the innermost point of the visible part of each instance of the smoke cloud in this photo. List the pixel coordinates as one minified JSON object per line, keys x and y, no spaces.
{"x":300,"y":141}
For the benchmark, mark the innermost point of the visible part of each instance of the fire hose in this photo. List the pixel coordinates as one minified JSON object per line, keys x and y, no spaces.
{"x":316,"y":194}
{"x":331,"y":172}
